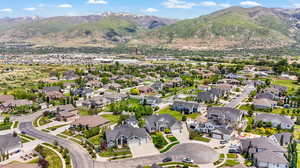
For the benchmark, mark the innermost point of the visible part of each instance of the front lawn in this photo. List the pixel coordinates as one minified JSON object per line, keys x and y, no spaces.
{"x":115,"y":152}
{"x":297,"y":133}
{"x":230,"y":163}
{"x":52,"y":158}
{"x":298,"y":158}
{"x":198,"y":137}
{"x":158,"y":140}
{"x":5,"y":125}
{"x":171,"y":138}
{"x":56,"y":127}
{"x":95,"y":140}
{"x":44,"y":120}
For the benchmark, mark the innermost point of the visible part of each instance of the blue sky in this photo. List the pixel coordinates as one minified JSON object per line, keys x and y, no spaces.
{"x":165,"y":8}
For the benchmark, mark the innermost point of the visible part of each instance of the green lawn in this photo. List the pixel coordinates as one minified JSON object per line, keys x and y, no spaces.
{"x":292,"y":85}
{"x":5,"y":126}
{"x":56,"y":127}
{"x":111,"y":118}
{"x":230,"y":163}
{"x":52,"y":158}
{"x":297,"y":132}
{"x":298,"y":159}
{"x":175,"y":114}
{"x":44,"y":120}
{"x":68,"y":133}
{"x":95,"y":140}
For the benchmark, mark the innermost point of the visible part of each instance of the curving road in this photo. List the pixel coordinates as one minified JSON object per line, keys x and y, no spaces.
{"x":201,"y":154}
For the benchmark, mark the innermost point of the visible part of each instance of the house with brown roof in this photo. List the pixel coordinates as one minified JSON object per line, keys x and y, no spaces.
{"x":90,"y":121}
{"x":145,"y":89}
{"x":65,"y":112}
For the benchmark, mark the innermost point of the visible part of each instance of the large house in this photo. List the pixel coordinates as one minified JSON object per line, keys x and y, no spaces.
{"x":207,"y":97}
{"x":160,"y":122}
{"x":264,"y":153}
{"x":151,"y":100}
{"x":224,"y":115}
{"x":10,"y":144}
{"x":90,"y":121}
{"x":130,"y":136}
{"x":65,"y":112}
{"x":284,"y":121}
{"x":264,"y":103}
{"x":187,"y":107}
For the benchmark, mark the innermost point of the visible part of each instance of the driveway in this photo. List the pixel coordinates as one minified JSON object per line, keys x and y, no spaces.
{"x":142,"y":150}
{"x":183,"y":136}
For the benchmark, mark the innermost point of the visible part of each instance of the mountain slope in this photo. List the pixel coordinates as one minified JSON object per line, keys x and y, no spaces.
{"x":230,"y":28}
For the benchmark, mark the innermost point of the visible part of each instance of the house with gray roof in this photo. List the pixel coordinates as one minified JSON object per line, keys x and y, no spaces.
{"x":224,"y":115}
{"x":151,"y":100}
{"x":187,"y":107}
{"x":10,"y":144}
{"x":266,"y":95}
{"x":283,"y":138}
{"x":264,"y":152}
{"x":276,"y":119}
{"x":263,"y":103}
{"x":160,"y":122}
{"x":120,"y":136}
{"x":207,"y":97}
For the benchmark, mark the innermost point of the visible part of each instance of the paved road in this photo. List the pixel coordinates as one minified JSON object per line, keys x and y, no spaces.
{"x":238,"y":100}
{"x":201,"y":154}
{"x":80,"y":157}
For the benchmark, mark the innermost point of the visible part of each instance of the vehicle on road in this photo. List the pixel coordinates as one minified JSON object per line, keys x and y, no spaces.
{"x":188,"y":160}
{"x":167,"y":159}
{"x":223,"y":142}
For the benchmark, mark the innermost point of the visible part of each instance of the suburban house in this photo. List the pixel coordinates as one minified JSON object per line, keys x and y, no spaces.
{"x":65,"y":112}
{"x":276,"y":119}
{"x":264,"y":152}
{"x":83,"y":92}
{"x":120,"y":136}
{"x":151,"y":100}
{"x":145,"y":89}
{"x":70,"y":75}
{"x":264,"y":103}
{"x":222,"y":133}
{"x":114,"y":97}
{"x":187,"y":107}
{"x":51,"y":89}
{"x":207,"y":97}
{"x":90,"y":121}
{"x":10,"y":144}
{"x":266,"y":95}
{"x":158,"y":86}
{"x":282,"y":139}
{"x":224,"y":115}
{"x":160,"y":122}
{"x":4,"y":101}
{"x":11,"y":104}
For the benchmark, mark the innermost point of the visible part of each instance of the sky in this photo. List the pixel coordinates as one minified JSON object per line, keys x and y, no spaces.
{"x":180,"y":9}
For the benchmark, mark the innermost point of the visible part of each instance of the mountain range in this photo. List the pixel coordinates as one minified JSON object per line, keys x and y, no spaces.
{"x":234,"y":27}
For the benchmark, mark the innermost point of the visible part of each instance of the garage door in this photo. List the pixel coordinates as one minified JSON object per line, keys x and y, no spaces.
{"x":134,"y":142}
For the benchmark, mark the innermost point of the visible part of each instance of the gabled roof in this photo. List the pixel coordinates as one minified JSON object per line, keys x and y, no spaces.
{"x":155,"y":119}
{"x":268,"y":156}
{"x":112,"y":135}
{"x":91,"y":121}
{"x":267,"y":117}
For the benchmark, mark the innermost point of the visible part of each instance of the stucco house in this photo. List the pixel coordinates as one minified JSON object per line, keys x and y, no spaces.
{"x":187,"y":107}
{"x":10,"y":144}
{"x":160,"y":122}
{"x":276,"y":119}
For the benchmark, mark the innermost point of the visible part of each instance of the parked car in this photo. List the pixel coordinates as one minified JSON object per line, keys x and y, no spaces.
{"x":188,"y":160}
{"x":167,"y":159}
{"x":233,"y":150}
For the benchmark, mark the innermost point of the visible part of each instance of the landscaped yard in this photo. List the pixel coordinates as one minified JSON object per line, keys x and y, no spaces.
{"x":292,"y":85}
{"x":5,"y":126}
{"x":56,"y":127}
{"x":297,"y":133}
{"x":95,"y":140}
{"x":158,"y":140}
{"x":52,"y":158}
{"x":198,"y":137}
{"x":44,"y":120}
{"x":115,"y":152}
{"x":178,"y":115}
{"x":298,"y":158}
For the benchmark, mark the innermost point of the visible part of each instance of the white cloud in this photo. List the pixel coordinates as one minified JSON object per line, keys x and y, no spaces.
{"x":65,"y":6}
{"x":151,"y":10}
{"x":97,"y":2}
{"x":296,"y":5}
{"x":29,"y":9}
{"x":208,"y":3}
{"x":178,"y":4}
{"x":224,"y":5}
{"x":250,"y":3}
{"x":6,"y":10}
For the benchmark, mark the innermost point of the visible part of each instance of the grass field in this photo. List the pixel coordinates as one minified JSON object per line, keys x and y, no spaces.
{"x":95,"y":140}
{"x":298,"y":161}
{"x":297,"y":132}
{"x":292,"y":85}
{"x":53,"y":159}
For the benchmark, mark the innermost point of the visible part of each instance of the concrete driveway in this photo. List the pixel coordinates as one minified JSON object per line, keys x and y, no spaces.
{"x":146,"y":149}
{"x":183,"y":136}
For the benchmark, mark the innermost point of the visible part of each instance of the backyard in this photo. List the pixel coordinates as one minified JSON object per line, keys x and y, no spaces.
{"x":178,"y":115}
{"x":292,"y":85}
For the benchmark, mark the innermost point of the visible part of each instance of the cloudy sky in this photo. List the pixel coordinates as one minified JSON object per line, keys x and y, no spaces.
{"x":165,"y":8}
